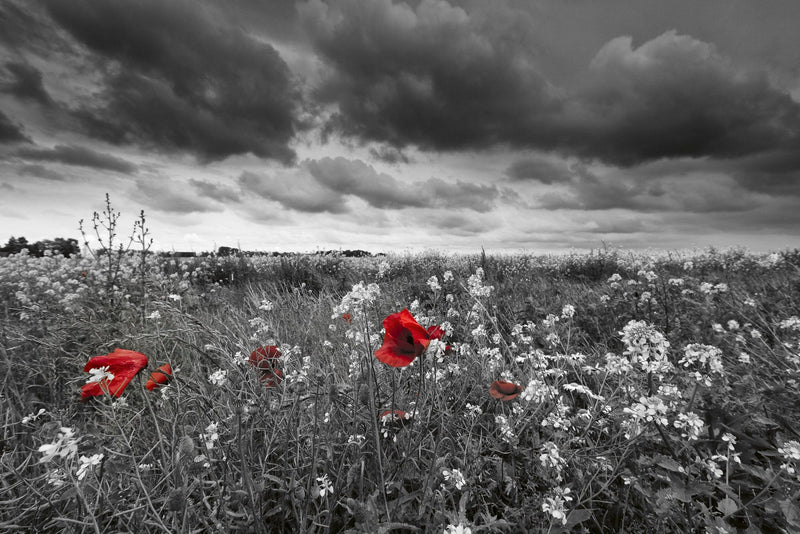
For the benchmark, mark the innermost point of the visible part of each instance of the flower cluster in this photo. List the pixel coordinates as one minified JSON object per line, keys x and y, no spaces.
{"x":704,"y":359}
{"x":646,"y":346}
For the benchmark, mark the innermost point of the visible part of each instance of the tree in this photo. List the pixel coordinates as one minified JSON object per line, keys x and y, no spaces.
{"x":64,"y":246}
{"x":15,"y":245}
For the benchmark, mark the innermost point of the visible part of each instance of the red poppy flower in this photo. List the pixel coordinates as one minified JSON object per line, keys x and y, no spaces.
{"x":403,"y":341}
{"x":162,"y":375}
{"x":113,"y":372}
{"x":347,"y":318}
{"x":435,"y":332}
{"x":504,"y":391}
{"x":265,"y":359}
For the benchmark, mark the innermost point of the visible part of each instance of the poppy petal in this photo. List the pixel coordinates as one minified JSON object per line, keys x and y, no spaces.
{"x":162,"y":375}
{"x":123,"y":364}
{"x":504,"y":391}
{"x":403,"y":341}
{"x":435,"y":332}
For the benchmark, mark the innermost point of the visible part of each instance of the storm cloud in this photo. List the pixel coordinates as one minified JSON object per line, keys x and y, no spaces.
{"x":673,"y":96}
{"x":324,"y":185}
{"x":10,"y":132}
{"x":27,"y":83}
{"x":429,"y":75}
{"x":218,"y":192}
{"x":77,"y":155}
{"x":513,"y":121}
{"x":167,"y":196}
{"x":176,"y":82}
{"x":441,"y":77}
{"x":40,"y":171}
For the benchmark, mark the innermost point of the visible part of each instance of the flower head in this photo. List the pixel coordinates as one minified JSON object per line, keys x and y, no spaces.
{"x":504,"y":391}
{"x":162,"y":375}
{"x":116,"y":371}
{"x":66,"y":446}
{"x":324,"y":486}
{"x":265,"y":359}
{"x":403,"y":341}
{"x":218,"y":377}
{"x":87,"y":463}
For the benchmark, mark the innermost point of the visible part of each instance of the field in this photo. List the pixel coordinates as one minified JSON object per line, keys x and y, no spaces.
{"x":605,"y":392}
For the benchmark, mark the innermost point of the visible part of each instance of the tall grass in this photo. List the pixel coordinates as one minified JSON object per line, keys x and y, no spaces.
{"x":660,"y":394}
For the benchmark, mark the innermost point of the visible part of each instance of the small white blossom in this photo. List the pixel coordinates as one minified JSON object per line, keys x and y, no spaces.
{"x":66,"y":446}
{"x":33,"y":417}
{"x":433,"y":284}
{"x":86,"y":464}
{"x":218,"y":377}
{"x":325,"y":487}
{"x":556,"y":504}
{"x":211,"y":435}
{"x":99,"y":374}
{"x":455,"y":476}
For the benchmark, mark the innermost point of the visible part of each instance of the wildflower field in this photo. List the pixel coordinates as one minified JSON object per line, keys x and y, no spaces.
{"x":608,"y":392}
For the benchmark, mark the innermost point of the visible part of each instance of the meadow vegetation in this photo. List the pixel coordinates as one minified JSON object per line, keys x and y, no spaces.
{"x":657,"y":393}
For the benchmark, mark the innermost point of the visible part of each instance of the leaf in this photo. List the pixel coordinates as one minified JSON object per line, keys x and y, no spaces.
{"x":669,"y":464}
{"x":681,"y":491}
{"x":577,"y":516}
{"x":727,"y":506}
{"x":791,"y":512}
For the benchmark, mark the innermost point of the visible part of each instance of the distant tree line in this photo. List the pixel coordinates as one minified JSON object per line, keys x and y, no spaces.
{"x":231,"y":251}
{"x":69,"y":246}
{"x":65,"y":246}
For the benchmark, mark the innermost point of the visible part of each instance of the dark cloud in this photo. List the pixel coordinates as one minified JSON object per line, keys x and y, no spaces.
{"x":460,"y":225}
{"x":40,"y":171}
{"x":296,"y":190}
{"x":78,"y":155}
{"x":168,"y":197}
{"x":324,"y":185}
{"x":21,"y":26}
{"x":460,"y":194}
{"x":175,"y":80}
{"x":430,"y":75}
{"x":380,"y":190}
{"x":276,"y":18}
{"x":389,"y":154}
{"x":354,"y":177}
{"x":214,"y":191}
{"x":27,"y":83}
{"x":673,"y":96}
{"x":444,"y":77}
{"x":10,"y":132}
{"x":540,"y":170}
{"x":699,"y":192}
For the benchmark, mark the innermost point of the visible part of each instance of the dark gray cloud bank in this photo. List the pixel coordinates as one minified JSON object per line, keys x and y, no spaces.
{"x":328,"y":184}
{"x":642,"y":112}
{"x":77,"y":155}
{"x":174,"y":80}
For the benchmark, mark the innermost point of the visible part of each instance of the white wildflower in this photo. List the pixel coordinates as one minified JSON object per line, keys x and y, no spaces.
{"x":66,"y":446}
{"x":86,"y":464}
{"x":218,"y":377}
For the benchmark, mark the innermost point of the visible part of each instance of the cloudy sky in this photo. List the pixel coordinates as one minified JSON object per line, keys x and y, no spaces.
{"x":405,"y":124}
